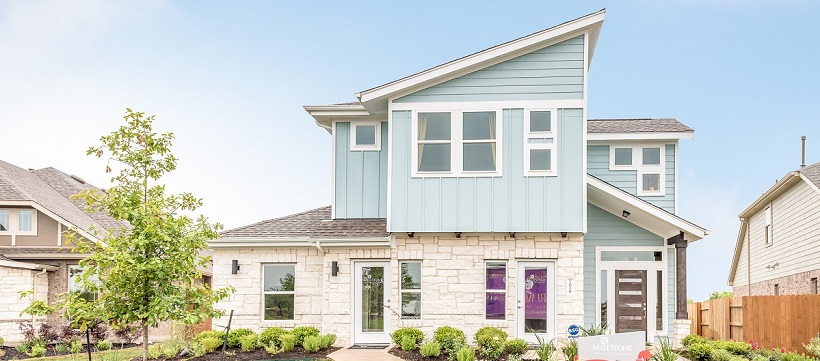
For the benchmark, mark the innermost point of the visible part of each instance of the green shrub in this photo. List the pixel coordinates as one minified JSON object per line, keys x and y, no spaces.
{"x":812,"y":348}
{"x":430,"y":349}
{"x":665,"y":351}
{"x":104,"y":345}
{"x":76,"y":346}
{"x":570,"y":349}
{"x":759,"y":358}
{"x":272,"y":349}
{"x":734,"y":347}
{"x":515,"y":346}
{"x":491,"y":347}
{"x":21,"y":348}
{"x":465,"y":354}
{"x":328,"y":340}
{"x":489,"y":332}
{"x":61,"y":348}
{"x":210,"y":334}
{"x":169,"y":351}
{"x":154,"y":352}
{"x":451,"y":339}
{"x":411,"y":332}
{"x":301,"y":332}
{"x":700,"y":351}
{"x":312,"y":343}
{"x":249,"y":342}
{"x":2,"y":341}
{"x":286,"y":341}
{"x":408,"y":343}
{"x":791,"y":356}
{"x":235,"y":337}
{"x":272,"y":335}
{"x":196,"y":349}
{"x":37,"y":351}
{"x":719,"y":354}
{"x":692,"y":339}
{"x":210,"y":344}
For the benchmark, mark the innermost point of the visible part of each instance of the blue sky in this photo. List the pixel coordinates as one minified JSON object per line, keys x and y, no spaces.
{"x":230,"y":79}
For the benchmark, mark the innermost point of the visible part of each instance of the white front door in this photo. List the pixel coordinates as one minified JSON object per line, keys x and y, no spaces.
{"x":535,"y":288}
{"x":371,"y":292}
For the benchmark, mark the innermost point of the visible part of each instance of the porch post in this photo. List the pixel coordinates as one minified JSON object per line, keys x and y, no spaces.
{"x":681,"y":313}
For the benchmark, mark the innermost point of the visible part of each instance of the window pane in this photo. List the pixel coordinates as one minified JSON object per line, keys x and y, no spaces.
{"x":279,"y":278}
{"x":623,"y":156}
{"x":411,"y":305}
{"x":4,"y":220}
{"x":644,"y":256}
{"x":479,"y":125}
{"x":479,"y":157}
{"x":540,"y":121}
{"x":496,"y":276}
{"x":279,"y":307}
{"x":540,"y":159}
{"x":372,"y":299}
{"x":651,"y":156}
{"x":652,"y":182}
{"x":434,"y":126}
{"x":74,"y":284}
{"x":496,"y":305}
{"x":604,"y":297}
{"x":365,"y":135}
{"x":659,"y":302}
{"x":411,"y":276}
{"x":434,"y":157}
{"x":24,"y":221}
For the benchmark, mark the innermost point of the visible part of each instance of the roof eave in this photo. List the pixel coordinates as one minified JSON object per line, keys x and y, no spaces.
{"x":299,"y":242}
{"x":736,"y":257}
{"x":326,"y":114}
{"x":641,"y":136}
{"x":777,"y":189}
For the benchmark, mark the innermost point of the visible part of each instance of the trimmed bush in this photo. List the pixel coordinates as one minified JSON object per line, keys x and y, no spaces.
{"x":719,"y":354}
{"x":411,"y":332}
{"x":210,"y":344}
{"x":791,"y":356}
{"x":759,"y":358}
{"x":700,"y":351}
{"x":312,"y":343}
{"x":249,"y":342}
{"x":76,"y":346}
{"x":465,"y":354}
{"x":515,"y":346}
{"x":451,"y":339}
{"x":734,"y":347}
{"x":154,"y":352}
{"x":689,"y":340}
{"x":489,"y":332}
{"x":210,"y":334}
{"x":169,"y":351}
{"x":287,"y":341}
{"x":37,"y":351}
{"x":104,"y":345}
{"x":430,"y":349}
{"x":408,"y":343}
{"x":328,"y":340}
{"x":301,"y":332}
{"x":235,"y":337}
{"x":812,"y":348}
{"x":60,"y":348}
{"x":272,"y":335}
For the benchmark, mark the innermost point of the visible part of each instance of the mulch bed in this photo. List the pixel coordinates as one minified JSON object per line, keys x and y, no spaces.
{"x":257,"y":355}
{"x":12,"y":354}
{"x":414,"y":355}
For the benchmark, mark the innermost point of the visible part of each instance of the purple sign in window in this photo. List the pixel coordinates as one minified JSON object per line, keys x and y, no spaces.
{"x":496,"y":305}
{"x":496,"y":277}
{"x":535,"y":293}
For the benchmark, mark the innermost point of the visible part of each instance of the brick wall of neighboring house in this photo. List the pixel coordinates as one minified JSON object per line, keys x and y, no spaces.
{"x":453,"y":281}
{"x":12,"y":281}
{"x":797,"y":284}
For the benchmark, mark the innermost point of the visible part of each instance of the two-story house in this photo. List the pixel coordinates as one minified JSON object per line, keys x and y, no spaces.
{"x":477,"y":193}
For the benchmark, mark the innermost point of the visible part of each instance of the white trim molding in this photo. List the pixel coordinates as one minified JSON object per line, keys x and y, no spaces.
{"x":299,"y":242}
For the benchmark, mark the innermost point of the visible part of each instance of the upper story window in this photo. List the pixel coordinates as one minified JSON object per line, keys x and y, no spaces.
{"x":767,"y":226}
{"x":457,"y":143}
{"x":365,"y":136}
{"x":539,"y":143}
{"x":18,"y":221}
{"x":647,"y":160}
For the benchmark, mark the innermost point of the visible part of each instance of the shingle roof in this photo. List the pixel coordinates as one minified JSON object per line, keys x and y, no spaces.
{"x":812,"y":172}
{"x":9,"y":252}
{"x":51,"y":189}
{"x":644,"y":125}
{"x":315,"y":223}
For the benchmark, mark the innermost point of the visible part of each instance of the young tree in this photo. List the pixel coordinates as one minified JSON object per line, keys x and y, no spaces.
{"x":146,"y":272}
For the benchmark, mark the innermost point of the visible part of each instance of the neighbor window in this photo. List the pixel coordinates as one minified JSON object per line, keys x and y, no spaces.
{"x":74,"y":284}
{"x":278,"y":290}
{"x":434,"y":142}
{"x":539,"y":143}
{"x":18,"y":221}
{"x":767,"y":228}
{"x":411,"y":290}
{"x":496,"y":290}
{"x":479,"y":142}
{"x":814,"y":285}
{"x":365,"y":136}
{"x":5,"y":220}
{"x":24,"y":221}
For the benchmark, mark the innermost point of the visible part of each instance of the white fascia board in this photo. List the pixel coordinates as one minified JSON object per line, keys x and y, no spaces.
{"x":741,"y":235}
{"x":641,"y":136}
{"x":26,"y":265}
{"x":643,"y":214}
{"x":326,"y":114}
{"x":253,"y":242}
{"x":776,"y":190}
{"x":484,"y":58}
{"x":53,"y":216}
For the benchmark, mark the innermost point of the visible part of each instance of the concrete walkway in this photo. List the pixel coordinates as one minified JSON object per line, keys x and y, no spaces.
{"x":347,"y":354}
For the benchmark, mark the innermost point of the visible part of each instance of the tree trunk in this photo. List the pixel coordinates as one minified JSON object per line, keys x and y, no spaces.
{"x":145,"y":342}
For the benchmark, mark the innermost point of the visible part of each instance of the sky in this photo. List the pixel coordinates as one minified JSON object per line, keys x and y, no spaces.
{"x":230,"y":79}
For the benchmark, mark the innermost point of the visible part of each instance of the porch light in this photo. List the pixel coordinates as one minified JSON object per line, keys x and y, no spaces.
{"x":334,"y":268}
{"x":458,"y":234}
{"x":564,"y":234}
{"x":410,"y":234}
{"x":625,"y":213}
{"x":234,"y":266}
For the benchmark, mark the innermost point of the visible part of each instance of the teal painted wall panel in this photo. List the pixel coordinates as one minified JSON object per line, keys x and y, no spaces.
{"x":627,"y":180}
{"x":552,"y":73}
{"x":361,"y":177}
{"x":606,"y":229}
{"x":509,"y":203}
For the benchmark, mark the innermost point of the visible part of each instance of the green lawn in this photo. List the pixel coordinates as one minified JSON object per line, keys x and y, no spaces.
{"x":113,"y":355}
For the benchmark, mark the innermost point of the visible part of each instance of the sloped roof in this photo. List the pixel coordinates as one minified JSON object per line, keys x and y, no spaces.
{"x":315,"y":223}
{"x":639,"y":125}
{"x":812,"y":172}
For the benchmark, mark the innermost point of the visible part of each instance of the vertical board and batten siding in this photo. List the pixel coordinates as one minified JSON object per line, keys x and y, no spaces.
{"x":507,"y":203}
{"x":795,"y":226}
{"x":361,"y":177}
{"x":606,"y":229}
{"x":552,"y":73}
{"x":598,"y":165}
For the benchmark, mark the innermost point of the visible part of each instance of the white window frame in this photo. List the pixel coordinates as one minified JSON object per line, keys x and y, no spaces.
{"x":640,"y":168}
{"x":612,"y":164}
{"x":456,"y":144}
{"x":402,"y":291}
{"x":768,"y":234}
{"x":263,"y":292}
{"x":14,"y":222}
{"x":365,"y":147}
{"x":503,"y":292}
{"x":72,"y":286}
{"x":553,"y":147}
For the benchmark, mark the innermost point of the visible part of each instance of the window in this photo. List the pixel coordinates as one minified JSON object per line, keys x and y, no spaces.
{"x":623,"y":156}
{"x":496,"y":290}
{"x":365,"y":136}
{"x":603,"y":282}
{"x":278,"y":290}
{"x":456,"y":143}
{"x":539,"y":143}
{"x":647,"y":161}
{"x":75,"y":285}
{"x":24,"y":219}
{"x":814,"y":285}
{"x":767,"y":228}
{"x":659,"y":301}
{"x":18,"y":221}
{"x":776,"y":289}
{"x":411,"y":290}
{"x":5,"y":216}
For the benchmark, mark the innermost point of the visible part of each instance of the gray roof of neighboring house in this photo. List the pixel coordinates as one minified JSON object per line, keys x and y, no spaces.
{"x":644,"y":125}
{"x":315,"y":223}
{"x":52,"y":189}
{"x":812,"y":172}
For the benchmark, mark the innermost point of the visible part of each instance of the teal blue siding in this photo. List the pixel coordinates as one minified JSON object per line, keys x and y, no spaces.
{"x":606,"y":229}
{"x":361,"y":177}
{"x":598,"y":165}
{"x":552,"y":73}
{"x":508,"y":203}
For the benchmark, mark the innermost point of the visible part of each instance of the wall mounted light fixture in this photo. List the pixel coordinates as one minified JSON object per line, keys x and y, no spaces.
{"x":625,"y":213}
{"x":564,"y":234}
{"x":234,"y":266}
{"x":334,"y":268}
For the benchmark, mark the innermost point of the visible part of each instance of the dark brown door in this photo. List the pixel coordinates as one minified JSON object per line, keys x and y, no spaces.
{"x":630,"y":301}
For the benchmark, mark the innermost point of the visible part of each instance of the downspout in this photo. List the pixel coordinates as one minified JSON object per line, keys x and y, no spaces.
{"x":34,"y":289}
{"x":324,"y":284}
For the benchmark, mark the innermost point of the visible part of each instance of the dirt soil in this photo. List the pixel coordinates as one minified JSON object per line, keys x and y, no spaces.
{"x":415,"y":355}
{"x":257,"y":355}
{"x":12,"y":354}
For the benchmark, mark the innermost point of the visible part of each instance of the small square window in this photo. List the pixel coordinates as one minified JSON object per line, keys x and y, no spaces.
{"x":651,"y":156}
{"x":651,"y":182}
{"x":623,"y":156}
{"x":540,"y":121}
{"x":364,"y":136}
{"x":541,"y":159}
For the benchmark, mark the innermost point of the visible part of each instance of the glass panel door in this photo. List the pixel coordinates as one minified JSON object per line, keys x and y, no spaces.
{"x":536,"y":300}
{"x":372,"y":299}
{"x":371,"y":296}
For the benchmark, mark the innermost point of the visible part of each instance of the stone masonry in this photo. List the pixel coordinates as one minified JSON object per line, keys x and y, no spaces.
{"x":12,"y":281}
{"x":452,"y":281}
{"x":796,"y":284}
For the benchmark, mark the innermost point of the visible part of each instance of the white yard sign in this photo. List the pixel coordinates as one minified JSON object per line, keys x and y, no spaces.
{"x":627,"y":346}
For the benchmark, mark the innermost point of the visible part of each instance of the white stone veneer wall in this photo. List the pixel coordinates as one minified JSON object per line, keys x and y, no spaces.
{"x":12,"y":281}
{"x":452,"y":281}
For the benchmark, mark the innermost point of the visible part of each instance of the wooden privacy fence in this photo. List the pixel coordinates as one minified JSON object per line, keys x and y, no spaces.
{"x":771,"y":321}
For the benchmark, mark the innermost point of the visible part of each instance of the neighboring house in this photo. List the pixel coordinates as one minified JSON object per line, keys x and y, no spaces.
{"x":477,"y":193}
{"x":778,"y":246}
